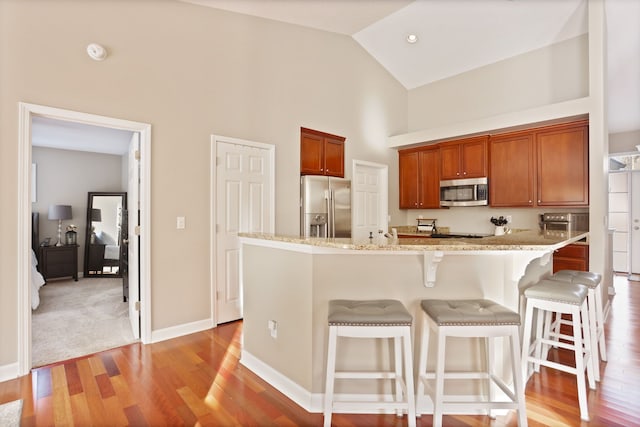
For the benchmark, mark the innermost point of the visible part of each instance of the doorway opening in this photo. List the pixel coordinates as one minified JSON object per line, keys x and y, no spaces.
{"x":27,"y":113}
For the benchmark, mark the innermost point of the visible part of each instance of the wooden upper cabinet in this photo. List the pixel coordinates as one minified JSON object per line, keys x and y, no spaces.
{"x":512,"y":170}
{"x":547,"y":166}
{"x":465,"y":158}
{"x":321,"y":153}
{"x":419,"y":178}
{"x":563,"y":165}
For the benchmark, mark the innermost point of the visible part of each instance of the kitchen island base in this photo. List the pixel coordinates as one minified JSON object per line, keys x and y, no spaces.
{"x":291,"y":284}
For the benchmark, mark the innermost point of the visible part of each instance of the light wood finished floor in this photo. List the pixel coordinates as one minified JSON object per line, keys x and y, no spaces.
{"x":197,"y":381}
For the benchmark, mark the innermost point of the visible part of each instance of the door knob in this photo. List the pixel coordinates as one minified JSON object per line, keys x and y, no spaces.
{"x":125,"y":241}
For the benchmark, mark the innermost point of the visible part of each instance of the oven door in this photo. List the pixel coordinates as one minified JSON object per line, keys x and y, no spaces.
{"x":555,"y":226}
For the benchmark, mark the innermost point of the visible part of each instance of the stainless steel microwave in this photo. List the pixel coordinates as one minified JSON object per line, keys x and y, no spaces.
{"x":464,"y":192}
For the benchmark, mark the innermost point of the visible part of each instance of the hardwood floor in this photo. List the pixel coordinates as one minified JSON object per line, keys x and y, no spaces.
{"x":197,"y":380}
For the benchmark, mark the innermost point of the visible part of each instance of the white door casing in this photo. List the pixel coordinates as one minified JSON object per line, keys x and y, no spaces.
{"x":243,"y":175}
{"x":133,"y":206}
{"x":370,"y":198}
{"x":23,"y":230}
{"x":619,"y":219}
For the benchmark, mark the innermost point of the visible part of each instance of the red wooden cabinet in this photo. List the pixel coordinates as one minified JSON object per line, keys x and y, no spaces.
{"x":321,"y":153}
{"x":465,"y":158}
{"x":419,"y":178}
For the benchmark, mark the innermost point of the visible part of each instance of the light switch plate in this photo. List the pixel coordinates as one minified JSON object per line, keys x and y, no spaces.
{"x":180,"y":223}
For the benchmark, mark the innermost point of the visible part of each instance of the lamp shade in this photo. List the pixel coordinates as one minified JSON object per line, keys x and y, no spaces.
{"x":96,"y":215}
{"x":59,"y":212}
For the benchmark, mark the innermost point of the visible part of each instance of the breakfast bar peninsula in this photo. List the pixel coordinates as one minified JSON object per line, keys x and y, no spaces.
{"x":288,"y":282}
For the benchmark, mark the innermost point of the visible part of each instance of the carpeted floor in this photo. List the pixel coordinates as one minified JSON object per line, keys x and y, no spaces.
{"x":79,"y":318}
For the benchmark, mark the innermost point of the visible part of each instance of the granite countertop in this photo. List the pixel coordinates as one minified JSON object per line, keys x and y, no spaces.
{"x":516,"y":240}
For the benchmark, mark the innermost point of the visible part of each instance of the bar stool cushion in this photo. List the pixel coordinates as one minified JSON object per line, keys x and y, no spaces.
{"x":471,"y":312}
{"x":551,"y":290}
{"x":586,"y":278}
{"x":383,"y":312}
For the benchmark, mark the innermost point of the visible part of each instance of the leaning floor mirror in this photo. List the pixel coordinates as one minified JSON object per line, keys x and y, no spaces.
{"x":103,"y":241}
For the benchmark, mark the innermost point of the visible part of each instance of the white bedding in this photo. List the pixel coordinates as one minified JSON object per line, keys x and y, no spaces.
{"x":111,"y":252}
{"x":36,"y":282}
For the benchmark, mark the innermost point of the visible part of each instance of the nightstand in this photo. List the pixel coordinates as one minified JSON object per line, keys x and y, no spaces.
{"x":58,"y":261}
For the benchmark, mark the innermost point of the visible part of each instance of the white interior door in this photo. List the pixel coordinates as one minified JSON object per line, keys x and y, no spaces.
{"x":619,"y":212}
{"x":244,"y":195}
{"x":133,"y":209}
{"x":370,"y":194}
{"x":634,"y":230}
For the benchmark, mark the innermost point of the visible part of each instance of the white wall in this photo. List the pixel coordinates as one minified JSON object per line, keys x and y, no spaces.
{"x":549,"y":75}
{"x":624,"y":142}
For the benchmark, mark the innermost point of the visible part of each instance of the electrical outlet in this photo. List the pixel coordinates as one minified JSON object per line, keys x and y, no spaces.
{"x":508,"y":219}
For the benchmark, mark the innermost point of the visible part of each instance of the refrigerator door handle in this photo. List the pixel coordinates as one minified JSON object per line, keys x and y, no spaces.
{"x":328,"y":230}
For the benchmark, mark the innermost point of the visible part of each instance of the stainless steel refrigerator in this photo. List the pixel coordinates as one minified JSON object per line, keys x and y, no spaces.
{"x":325,"y":206}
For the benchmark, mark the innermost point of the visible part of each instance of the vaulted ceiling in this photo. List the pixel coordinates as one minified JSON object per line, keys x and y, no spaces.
{"x":455,"y":36}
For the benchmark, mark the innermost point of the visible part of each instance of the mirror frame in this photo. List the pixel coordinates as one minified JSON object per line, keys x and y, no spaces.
{"x":88,"y":232}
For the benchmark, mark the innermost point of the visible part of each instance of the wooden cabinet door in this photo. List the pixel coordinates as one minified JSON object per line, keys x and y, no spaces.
{"x":465,"y":158}
{"x":334,"y":157}
{"x":321,"y":153}
{"x":450,"y":161}
{"x":408,"y":165}
{"x":474,"y":158}
{"x":563,"y":166}
{"x":571,"y":257}
{"x":511,"y":173}
{"x":311,"y":154}
{"x":429,"y":188}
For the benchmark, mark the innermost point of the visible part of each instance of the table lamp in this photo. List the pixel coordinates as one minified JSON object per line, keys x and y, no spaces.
{"x":59,"y":212}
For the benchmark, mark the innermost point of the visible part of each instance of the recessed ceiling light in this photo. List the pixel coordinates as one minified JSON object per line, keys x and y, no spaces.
{"x":412,"y":38}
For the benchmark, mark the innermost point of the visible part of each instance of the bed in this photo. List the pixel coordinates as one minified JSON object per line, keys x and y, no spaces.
{"x":36,"y":278}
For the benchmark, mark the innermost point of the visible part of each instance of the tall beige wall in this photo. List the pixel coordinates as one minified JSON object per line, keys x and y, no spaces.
{"x":556,"y":73}
{"x":190,"y":72}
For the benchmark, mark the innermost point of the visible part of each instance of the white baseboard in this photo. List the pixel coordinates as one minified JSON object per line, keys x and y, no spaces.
{"x":313,"y":402}
{"x":180,"y":330}
{"x":302,"y":397}
{"x":9,"y":372}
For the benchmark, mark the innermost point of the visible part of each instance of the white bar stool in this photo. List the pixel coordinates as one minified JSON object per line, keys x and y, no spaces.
{"x":570,"y":298}
{"x":596,"y":318}
{"x":371,"y":319}
{"x":476,"y":318}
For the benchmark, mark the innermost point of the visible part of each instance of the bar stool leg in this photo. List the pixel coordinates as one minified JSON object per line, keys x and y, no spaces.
{"x":331,"y":368}
{"x":422,"y":365}
{"x":591,"y":296}
{"x":600,"y":325}
{"x":579,"y":359}
{"x":397,"y":358}
{"x":518,"y":386}
{"x":408,"y":371}
{"x":439,"y":395}
{"x":526,"y":342}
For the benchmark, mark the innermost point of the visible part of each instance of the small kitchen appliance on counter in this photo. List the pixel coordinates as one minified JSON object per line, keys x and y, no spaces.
{"x":565,"y":221}
{"x":426,"y":225}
